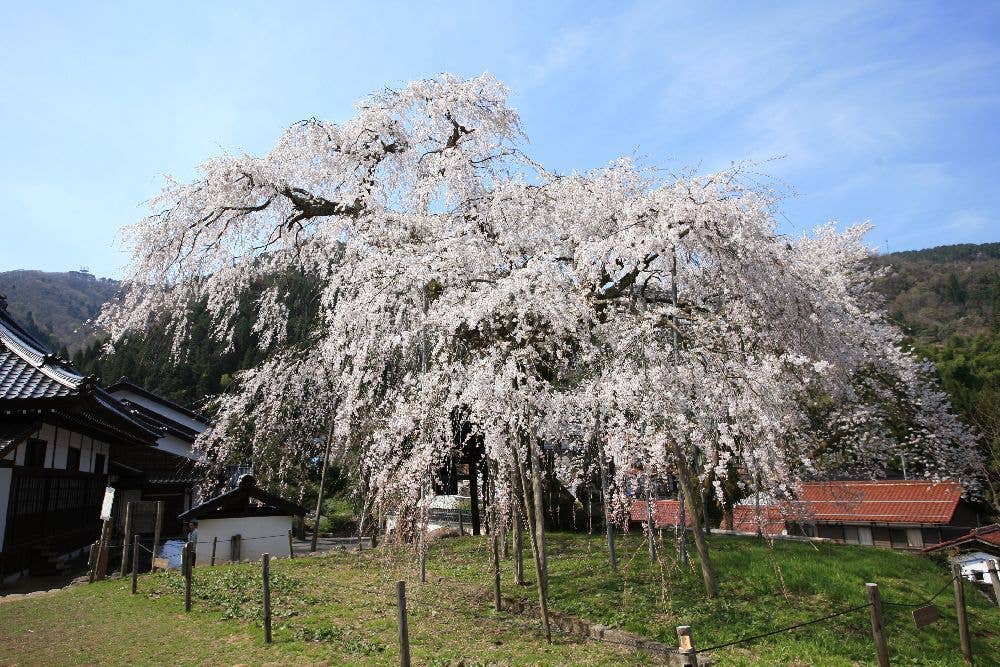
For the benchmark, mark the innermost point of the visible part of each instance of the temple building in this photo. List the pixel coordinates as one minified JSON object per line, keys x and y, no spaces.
{"x":64,"y":440}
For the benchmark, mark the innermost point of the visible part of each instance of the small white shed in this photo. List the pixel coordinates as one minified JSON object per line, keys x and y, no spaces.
{"x":242,"y":524}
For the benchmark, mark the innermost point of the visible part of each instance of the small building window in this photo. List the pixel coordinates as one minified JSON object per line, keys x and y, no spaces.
{"x":851,"y":535}
{"x":914,"y":538}
{"x":898,"y":538}
{"x":34,"y":453}
{"x":99,"y":464}
{"x":73,"y":458}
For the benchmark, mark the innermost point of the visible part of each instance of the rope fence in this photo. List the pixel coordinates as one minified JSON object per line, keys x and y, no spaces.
{"x":431,"y":598}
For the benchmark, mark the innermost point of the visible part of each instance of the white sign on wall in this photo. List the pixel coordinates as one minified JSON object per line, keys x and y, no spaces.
{"x":109,"y":500}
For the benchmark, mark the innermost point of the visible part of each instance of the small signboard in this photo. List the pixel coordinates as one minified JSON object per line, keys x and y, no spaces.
{"x":109,"y":501}
{"x":924,"y":616}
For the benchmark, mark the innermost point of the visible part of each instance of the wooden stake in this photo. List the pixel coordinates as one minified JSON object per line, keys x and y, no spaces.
{"x":878,"y":624}
{"x":651,"y":542}
{"x":995,"y":580}
{"x":234,"y":548}
{"x":186,"y":567}
{"x":157,"y":527}
{"x":135,"y":564}
{"x":963,"y":621}
{"x":126,"y":545}
{"x":518,"y":536}
{"x":291,"y":548}
{"x":92,"y":563}
{"x":266,"y":574}
{"x":404,"y":634}
{"x":685,"y":642}
{"x":215,"y":543}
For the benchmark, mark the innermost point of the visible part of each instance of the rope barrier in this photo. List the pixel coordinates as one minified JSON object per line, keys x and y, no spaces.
{"x":775,"y":632}
{"x":925,"y":602}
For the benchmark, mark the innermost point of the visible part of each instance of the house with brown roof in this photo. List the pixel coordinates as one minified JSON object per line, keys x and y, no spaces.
{"x":899,"y":514}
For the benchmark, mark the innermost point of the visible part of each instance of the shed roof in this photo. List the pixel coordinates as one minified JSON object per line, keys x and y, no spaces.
{"x":238,"y":502}
{"x":986,"y":537}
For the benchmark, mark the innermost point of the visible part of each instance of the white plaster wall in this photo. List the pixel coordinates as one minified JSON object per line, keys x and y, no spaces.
{"x":273,"y":528}
{"x":174,"y":445}
{"x":5,"y":475}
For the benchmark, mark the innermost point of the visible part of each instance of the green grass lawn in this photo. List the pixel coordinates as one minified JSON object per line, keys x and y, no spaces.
{"x":763,"y":588}
{"x":341,"y":609}
{"x":338,"y":609}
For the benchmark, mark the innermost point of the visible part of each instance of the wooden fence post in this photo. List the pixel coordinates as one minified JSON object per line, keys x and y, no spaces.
{"x":291,"y":548}
{"x":157,"y":526}
{"x":135,"y":563}
{"x":234,"y":548}
{"x":126,"y":545}
{"x":517,"y":540}
{"x":994,"y":579}
{"x":963,"y":621}
{"x":404,"y":634}
{"x":92,"y":563}
{"x":685,"y":642}
{"x":266,"y":572}
{"x":878,"y":624}
{"x":215,"y":543}
{"x":186,"y":568}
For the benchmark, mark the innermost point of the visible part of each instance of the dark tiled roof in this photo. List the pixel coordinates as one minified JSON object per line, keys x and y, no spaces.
{"x":29,"y":371}
{"x":238,"y":502}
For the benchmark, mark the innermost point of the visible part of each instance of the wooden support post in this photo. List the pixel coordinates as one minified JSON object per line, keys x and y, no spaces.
{"x":135,"y":564}
{"x":126,"y":544}
{"x":685,"y":642}
{"x":461,"y":523}
{"x":608,"y":526}
{"x":157,"y":527}
{"x":518,"y":539}
{"x":266,"y":573}
{"x":878,"y":624}
{"x":102,"y":551}
{"x":474,"y":495}
{"x":497,"y":535}
{"x":291,"y":547}
{"x":215,"y":543}
{"x":995,"y":580}
{"x":963,"y":620}
{"x":404,"y":634}
{"x":186,"y":567}
{"x":650,"y":540}
{"x":92,"y":563}
{"x":234,"y":548}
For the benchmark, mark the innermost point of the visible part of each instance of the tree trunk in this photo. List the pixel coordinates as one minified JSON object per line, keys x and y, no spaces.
{"x":540,"y":583}
{"x":697,"y":525}
{"x":651,"y":542}
{"x":517,"y":533}
{"x":536,"y":489}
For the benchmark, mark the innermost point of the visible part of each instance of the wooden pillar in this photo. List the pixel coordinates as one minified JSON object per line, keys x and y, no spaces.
{"x":963,"y":620}
{"x":266,"y":575}
{"x":234,"y":548}
{"x":474,"y":494}
{"x":878,"y":624}
{"x":126,"y":544}
{"x":135,"y":564}
{"x":187,"y":566}
{"x":157,"y":526}
{"x":404,"y":634}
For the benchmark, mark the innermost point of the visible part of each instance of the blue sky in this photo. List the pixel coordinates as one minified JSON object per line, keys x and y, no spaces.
{"x":885,"y":112}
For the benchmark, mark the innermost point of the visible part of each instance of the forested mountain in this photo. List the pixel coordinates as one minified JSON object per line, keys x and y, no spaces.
{"x":55,"y":306}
